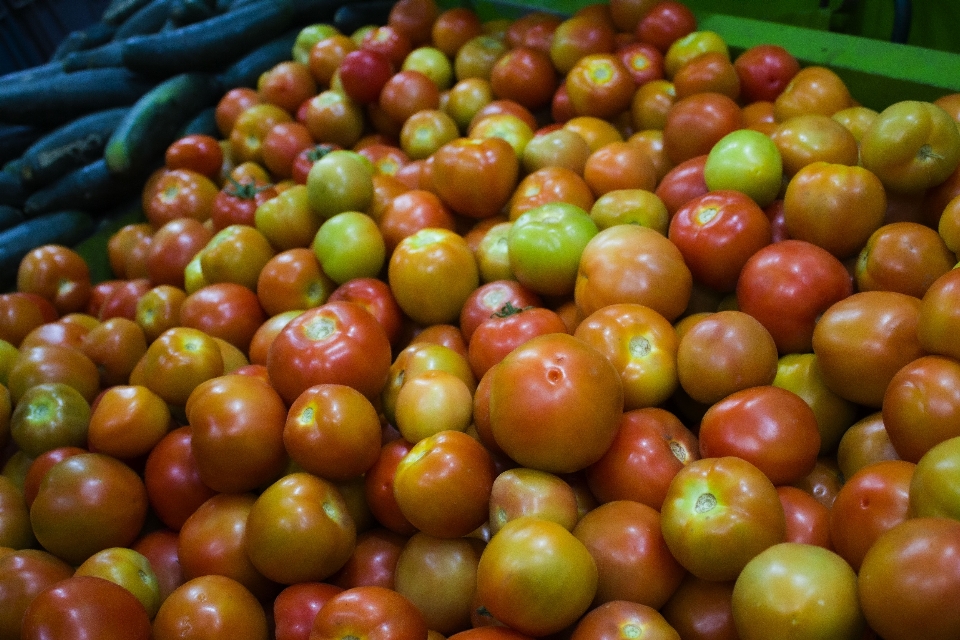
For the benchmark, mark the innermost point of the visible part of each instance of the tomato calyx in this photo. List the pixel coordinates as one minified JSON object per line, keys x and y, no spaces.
{"x":319,"y":151}
{"x":705,"y":502}
{"x":244,"y":190}
{"x":508,"y":310}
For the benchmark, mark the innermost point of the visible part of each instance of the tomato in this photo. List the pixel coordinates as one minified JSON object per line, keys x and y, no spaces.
{"x":349,"y":245}
{"x":442,"y":485}
{"x":911,"y":146}
{"x":129,"y":569}
{"x":701,"y":609}
{"x":529,"y":551}
{"x":718,"y":514}
{"x":630,"y":206}
{"x":808,"y":520}
{"x":685,"y":49}
{"x":619,"y":165}
{"x":520,"y":492}
{"x":599,"y":85}
{"x":341,"y":180}
{"x":773,"y":428}
{"x":180,"y":193}
{"x":127,"y":421}
{"x":371,"y":612}
{"x":58,"y":274}
{"x":912,"y":564}
{"x":237,"y":437}
{"x":725,"y":352}
{"x":198,"y":152}
{"x":664,"y":23}
{"x":224,"y":310}
{"x":864,"y":442}
{"x":813,"y":89}
{"x":332,"y":431}
{"x":814,"y":137}
{"x":337,"y":342}
{"x":172,"y":480}
{"x":215,"y":607}
{"x":546,"y":395}
{"x":854,"y":196}
{"x":547,"y":185}
{"x":746,"y":161}
{"x":526,"y":75}
{"x":938,"y":315}
{"x":643,"y":61}
{"x":903,"y":256}
{"x":710,"y":71}
{"x":438,"y":575}
{"x":373,"y":561}
{"x":863,"y":340}
{"x":764,"y":71}
{"x":624,"y":539}
{"x":86,"y":503}
{"x":475,"y":176}
{"x":15,"y":530}
{"x":176,"y":362}
{"x":683,"y":183}
{"x":717,"y":233}
{"x":628,"y":263}
{"x":787,"y":286}
{"x":426,"y":131}
{"x":83,"y":607}
{"x":23,"y":575}
{"x":799,"y":589}
{"x":695,"y":123}
{"x":295,"y":608}
{"x":48,"y":416}
{"x":933,"y":487}
{"x":489,"y":299}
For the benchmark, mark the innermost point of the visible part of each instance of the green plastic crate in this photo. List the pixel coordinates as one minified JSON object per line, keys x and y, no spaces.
{"x":877,"y":72}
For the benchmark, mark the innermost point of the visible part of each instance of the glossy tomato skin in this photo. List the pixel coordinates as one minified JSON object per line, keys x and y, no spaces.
{"x":295,"y":608}
{"x":915,"y":565}
{"x":701,"y":609}
{"x":85,"y":607}
{"x":764,"y":71}
{"x":619,"y":618}
{"x":338,"y":342}
{"x":787,"y":286}
{"x":547,"y":395}
{"x":718,"y":514}
{"x":23,"y":575}
{"x":475,"y":177}
{"x":215,"y":606}
{"x":913,"y":429}
{"x":369,"y":612}
{"x":808,"y":521}
{"x":501,"y":333}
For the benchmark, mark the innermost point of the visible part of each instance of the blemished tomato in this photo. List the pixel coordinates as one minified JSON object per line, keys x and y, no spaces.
{"x":802,"y":589}
{"x":529,"y":551}
{"x":718,"y":514}
{"x":915,"y":565}
{"x":547,"y":395}
{"x":219,"y":606}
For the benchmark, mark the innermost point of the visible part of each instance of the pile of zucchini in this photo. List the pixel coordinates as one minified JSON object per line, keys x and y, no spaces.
{"x":80,"y":133}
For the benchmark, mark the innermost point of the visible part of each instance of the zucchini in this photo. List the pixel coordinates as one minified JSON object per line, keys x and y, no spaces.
{"x":69,"y":147}
{"x":15,"y":138}
{"x":210,"y":44}
{"x":119,"y":11}
{"x":12,"y":191}
{"x":245,"y":71}
{"x":351,"y":17}
{"x":95,"y":35}
{"x":313,"y":11}
{"x":154,"y":121}
{"x":106,"y":55}
{"x":58,"y":98}
{"x":66,"y":227}
{"x":10,"y":217}
{"x":184,"y":12}
{"x":204,"y":122}
{"x":92,"y":188}
{"x":150,"y":18}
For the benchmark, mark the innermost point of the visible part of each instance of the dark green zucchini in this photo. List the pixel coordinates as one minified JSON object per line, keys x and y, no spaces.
{"x":150,"y":18}
{"x":205,"y":122}
{"x":66,"y":227}
{"x":92,"y":36}
{"x":245,"y":71}
{"x":32,"y":74}
{"x":12,"y":191}
{"x":313,"y":11}
{"x":69,"y":147}
{"x":58,"y":98}
{"x":154,"y":121}
{"x":106,"y":55}
{"x":119,"y":11}
{"x":210,"y":44}
{"x":10,"y":217}
{"x":352,"y":16}
{"x":92,"y":188}
{"x":184,"y":12}
{"x":15,"y":138}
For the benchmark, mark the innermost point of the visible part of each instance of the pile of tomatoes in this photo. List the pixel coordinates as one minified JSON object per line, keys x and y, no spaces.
{"x":567,"y":327}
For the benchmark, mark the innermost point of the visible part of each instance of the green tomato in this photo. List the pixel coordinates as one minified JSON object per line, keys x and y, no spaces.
{"x":432,"y":63}
{"x":545,"y":244}
{"x":349,"y":245}
{"x":309,"y":36}
{"x":746,"y":161}
{"x":340,"y":181}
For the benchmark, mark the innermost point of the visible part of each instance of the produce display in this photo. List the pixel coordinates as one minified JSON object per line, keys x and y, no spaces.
{"x":405,"y":321}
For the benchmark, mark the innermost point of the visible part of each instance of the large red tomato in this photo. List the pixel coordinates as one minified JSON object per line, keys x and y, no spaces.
{"x":475,"y":176}
{"x":81,"y":607}
{"x":215,"y":607}
{"x":371,"y":612}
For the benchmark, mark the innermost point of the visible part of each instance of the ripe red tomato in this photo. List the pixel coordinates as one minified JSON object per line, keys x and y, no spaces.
{"x":295,"y":608}
{"x":914,"y":428}
{"x":369,"y":612}
{"x":23,"y":575}
{"x":695,"y":123}
{"x":198,"y":152}
{"x":507,"y":329}
{"x":764,"y":71}
{"x":85,"y":607}
{"x":172,"y":479}
{"x":220,"y":607}
{"x":665,"y":23}
{"x":701,"y":609}
{"x":808,"y":521}
{"x":475,"y":176}
{"x":58,"y":274}
{"x":337,"y":342}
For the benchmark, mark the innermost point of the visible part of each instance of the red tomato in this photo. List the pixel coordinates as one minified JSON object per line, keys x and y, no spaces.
{"x":536,"y":577}
{"x":338,"y":342}
{"x":665,"y":23}
{"x":613,"y":620}
{"x":378,"y":487}
{"x":873,"y":500}
{"x":808,"y":521}
{"x":507,"y":329}
{"x":683,"y":183}
{"x":377,"y":298}
{"x":217,"y":607}
{"x":771,"y":427}
{"x":695,"y":123}
{"x":172,"y":479}
{"x":600,"y":85}
{"x":940,"y":315}
{"x":373,"y":561}
{"x":625,"y":540}
{"x":555,"y":403}
{"x":198,"y":152}
{"x":718,"y":514}
{"x":224,"y":310}
{"x":85,"y":607}
{"x":915,"y":427}
{"x":903,"y":256}
{"x":176,"y":362}
{"x":370,"y":612}
{"x":717,"y":233}
{"x":915,"y":565}
{"x":787,"y":286}
{"x":475,"y":176}
{"x":295,"y":608}
{"x":237,"y":438}
{"x":24,"y":574}
{"x":701,"y":610}
{"x":179,"y":193}
{"x":58,"y":274}
{"x":764,"y":71}
{"x":489,"y":298}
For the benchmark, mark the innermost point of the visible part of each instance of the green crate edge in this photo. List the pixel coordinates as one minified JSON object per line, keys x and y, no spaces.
{"x":878,"y":73}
